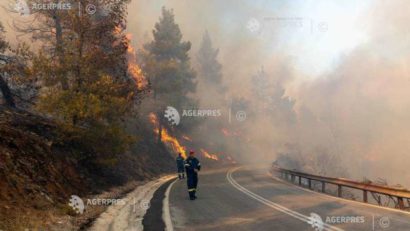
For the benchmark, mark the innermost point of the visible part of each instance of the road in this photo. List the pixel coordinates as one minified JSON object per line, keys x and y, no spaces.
{"x":243,"y":198}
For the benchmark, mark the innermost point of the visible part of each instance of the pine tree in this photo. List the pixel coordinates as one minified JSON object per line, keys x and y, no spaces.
{"x":166,"y":64}
{"x":271,"y":97}
{"x":260,"y":84}
{"x":209,"y":67}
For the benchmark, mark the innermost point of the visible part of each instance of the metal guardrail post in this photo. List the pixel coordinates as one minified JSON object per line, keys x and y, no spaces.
{"x":392,"y":192}
{"x":365,"y":196}
{"x":323,"y":187}
{"x":339,"y":190}
{"x":400,"y":202}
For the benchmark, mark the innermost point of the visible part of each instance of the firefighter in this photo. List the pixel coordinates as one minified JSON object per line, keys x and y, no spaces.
{"x":180,"y":166}
{"x":192,"y":167}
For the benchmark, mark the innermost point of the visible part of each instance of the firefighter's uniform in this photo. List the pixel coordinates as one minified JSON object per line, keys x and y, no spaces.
{"x":191,"y":166}
{"x":180,"y":167}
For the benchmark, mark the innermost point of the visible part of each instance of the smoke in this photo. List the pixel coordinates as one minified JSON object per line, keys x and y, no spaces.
{"x":365,"y":100}
{"x":349,"y":118}
{"x":356,"y":113}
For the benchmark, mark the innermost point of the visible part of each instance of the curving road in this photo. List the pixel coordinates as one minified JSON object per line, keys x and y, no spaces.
{"x":243,"y":198}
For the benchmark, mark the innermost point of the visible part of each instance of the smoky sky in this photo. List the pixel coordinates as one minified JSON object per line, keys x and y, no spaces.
{"x":348,"y":77}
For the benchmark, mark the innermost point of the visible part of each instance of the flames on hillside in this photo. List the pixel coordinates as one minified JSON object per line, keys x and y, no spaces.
{"x":208,"y":155}
{"x":133,"y":69}
{"x":166,"y":137}
{"x":174,"y":143}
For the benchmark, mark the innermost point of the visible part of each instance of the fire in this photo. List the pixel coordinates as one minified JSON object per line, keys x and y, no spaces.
{"x":208,"y":155}
{"x":173,"y":142}
{"x":186,"y":138}
{"x":133,"y":69}
{"x":226,"y":132}
{"x":166,"y":137}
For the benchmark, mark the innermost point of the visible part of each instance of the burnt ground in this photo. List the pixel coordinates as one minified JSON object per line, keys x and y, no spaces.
{"x":40,"y":170}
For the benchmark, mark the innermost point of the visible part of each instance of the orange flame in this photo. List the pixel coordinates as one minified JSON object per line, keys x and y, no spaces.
{"x":166,"y":137}
{"x":186,"y":138}
{"x":226,"y":132}
{"x":133,"y":69}
{"x":208,"y":155}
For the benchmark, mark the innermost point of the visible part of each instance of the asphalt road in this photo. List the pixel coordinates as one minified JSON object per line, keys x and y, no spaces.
{"x":240,"y":198}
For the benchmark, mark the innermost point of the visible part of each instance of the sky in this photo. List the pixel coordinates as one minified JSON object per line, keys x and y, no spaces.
{"x":314,"y":34}
{"x":344,"y":63}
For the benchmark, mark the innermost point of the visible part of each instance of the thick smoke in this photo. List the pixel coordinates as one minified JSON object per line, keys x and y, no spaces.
{"x":365,"y":100}
{"x":352,"y":120}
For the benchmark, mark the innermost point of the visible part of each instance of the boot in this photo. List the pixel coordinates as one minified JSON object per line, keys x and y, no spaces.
{"x":192,"y":196}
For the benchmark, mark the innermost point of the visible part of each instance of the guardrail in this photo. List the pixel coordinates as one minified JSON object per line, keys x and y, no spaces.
{"x":398,"y":195}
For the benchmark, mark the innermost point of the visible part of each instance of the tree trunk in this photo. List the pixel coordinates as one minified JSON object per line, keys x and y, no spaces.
{"x":5,"y":90}
{"x":59,"y":46}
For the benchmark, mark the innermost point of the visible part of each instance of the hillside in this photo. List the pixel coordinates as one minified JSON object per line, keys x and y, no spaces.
{"x":40,"y":170}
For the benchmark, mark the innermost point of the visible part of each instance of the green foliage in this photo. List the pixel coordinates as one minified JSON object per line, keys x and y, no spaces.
{"x":100,"y":101}
{"x":92,"y":116}
{"x":85,"y":84}
{"x":165,"y":62}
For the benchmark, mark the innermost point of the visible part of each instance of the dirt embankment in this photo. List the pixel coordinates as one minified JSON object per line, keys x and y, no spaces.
{"x":39,"y":172}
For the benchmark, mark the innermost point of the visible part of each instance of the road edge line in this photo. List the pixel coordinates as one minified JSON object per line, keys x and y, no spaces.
{"x":272,"y":204}
{"x":166,"y":213}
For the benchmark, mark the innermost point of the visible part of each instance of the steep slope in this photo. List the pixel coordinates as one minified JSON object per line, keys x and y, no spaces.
{"x":39,"y":170}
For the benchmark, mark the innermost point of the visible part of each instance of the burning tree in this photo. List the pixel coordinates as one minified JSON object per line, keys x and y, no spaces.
{"x":84,"y":75}
{"x":166,"y":64}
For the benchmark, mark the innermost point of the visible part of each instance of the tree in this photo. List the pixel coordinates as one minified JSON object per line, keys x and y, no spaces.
{"x":87,"y":86}
{"x":4,"y":87}
{"x":261,"y":85}
{"x":209,"y":67}
{"x":166,"y":64}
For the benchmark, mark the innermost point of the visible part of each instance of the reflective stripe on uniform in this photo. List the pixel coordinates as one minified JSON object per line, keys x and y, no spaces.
{"x":191,"y":189}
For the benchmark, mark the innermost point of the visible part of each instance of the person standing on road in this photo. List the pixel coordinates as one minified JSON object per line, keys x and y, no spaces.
{"x":180,"y":166}
{"x":192,"y":167}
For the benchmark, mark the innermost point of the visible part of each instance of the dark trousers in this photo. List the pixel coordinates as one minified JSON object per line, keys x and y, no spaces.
{"x":181,"y":172}
{"x":192,"y":181}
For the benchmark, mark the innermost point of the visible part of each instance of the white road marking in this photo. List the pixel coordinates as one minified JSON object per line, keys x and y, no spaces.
{"x":274,"y":205}
{"x":166,"y":214}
